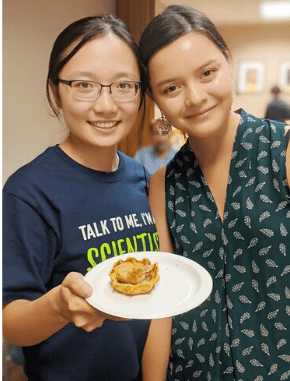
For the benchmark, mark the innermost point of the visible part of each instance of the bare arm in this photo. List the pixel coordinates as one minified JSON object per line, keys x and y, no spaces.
{"x":28,"y":323}
{"x":158,"y":208}
{"x":287,"y":128}
{"x":157,"y":349}
{"x":156,"y":353}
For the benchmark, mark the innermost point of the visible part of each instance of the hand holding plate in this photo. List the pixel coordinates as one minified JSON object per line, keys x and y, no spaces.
{"x":74,"y":307}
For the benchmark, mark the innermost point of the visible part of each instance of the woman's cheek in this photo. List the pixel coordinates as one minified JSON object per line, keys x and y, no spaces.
{"x":223,"y":86}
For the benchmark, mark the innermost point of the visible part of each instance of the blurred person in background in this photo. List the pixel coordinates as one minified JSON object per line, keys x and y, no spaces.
{"x":277,"y":109}
{"x":13,"y":363}
{"x":160,"y":152}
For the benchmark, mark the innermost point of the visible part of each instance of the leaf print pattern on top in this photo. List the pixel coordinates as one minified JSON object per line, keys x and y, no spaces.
{"x":243,"y":329}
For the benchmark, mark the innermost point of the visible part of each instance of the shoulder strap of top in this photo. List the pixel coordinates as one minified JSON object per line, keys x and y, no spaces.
{"x":287,"y":134}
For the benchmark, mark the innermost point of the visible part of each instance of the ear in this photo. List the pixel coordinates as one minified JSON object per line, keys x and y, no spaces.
{"x":151,"y":97}
{"x":230,"y":59}
{"x":229,"y":55}
{"x":231,"y":66}
{"x":55,"y":93}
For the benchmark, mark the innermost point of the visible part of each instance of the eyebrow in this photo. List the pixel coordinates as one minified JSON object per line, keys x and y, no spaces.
{"x":91,"y":75}
{"x":202,"y":67}
{"x":209,"y":62}
{"x":83,"y":73}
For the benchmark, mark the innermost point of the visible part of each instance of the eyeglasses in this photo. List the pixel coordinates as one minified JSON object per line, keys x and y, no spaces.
{"x":91,"y":90}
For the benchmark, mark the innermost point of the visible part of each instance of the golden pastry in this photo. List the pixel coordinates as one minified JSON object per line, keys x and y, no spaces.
{"x":133,"y":277}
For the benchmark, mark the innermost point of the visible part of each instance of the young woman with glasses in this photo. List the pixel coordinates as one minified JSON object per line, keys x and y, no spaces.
{"x":66,"y":212}
{"x":224,"y":202}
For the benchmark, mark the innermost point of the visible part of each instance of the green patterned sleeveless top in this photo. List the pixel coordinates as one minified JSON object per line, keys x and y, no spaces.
{"x":242,"y":331}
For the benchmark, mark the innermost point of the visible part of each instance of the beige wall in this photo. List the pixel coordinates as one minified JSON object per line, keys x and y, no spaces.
{"x":29,"y":30}
{"x":31,"y":26}
{"x":268,"y":43}
{"x":222,"y":11}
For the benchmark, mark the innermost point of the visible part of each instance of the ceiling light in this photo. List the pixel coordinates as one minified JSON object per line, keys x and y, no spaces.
{"x":275,"y":10}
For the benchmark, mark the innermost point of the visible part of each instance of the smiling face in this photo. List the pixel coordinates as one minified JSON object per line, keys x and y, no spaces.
{"x":191,"y":82}
{"x":103,"y":122}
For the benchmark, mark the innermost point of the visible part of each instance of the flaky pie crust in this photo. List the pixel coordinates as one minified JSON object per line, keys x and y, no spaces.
{"x":133,"y":277}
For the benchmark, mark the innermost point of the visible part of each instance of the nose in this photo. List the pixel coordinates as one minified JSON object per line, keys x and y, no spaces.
{"x":105,"y":103}
{"x":194,"y":95}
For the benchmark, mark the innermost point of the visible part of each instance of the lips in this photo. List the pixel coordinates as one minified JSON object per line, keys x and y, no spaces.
{"x":104,"y":124}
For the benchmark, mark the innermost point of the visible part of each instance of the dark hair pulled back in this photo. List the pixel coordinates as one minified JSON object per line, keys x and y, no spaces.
{"x":175,"y":21}
{"x":73,"y":37}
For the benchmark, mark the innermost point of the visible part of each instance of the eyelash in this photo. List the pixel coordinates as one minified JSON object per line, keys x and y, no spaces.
{"x":210,"y":71}
{"x":166,"y":91}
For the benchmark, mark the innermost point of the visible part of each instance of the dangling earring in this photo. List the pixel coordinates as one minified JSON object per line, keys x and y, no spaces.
{"x":163,"y":126}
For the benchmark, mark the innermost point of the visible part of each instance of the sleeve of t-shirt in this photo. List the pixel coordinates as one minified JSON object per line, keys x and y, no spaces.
{"x":29,"y":248}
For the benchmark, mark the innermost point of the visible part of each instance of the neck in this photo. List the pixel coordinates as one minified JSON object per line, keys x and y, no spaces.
{"x":217,"y":147}
{"x":214,"y":154}
{"x":104,"y":159}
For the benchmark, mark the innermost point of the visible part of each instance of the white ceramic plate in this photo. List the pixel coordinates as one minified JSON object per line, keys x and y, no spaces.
{"x":183,"y":285}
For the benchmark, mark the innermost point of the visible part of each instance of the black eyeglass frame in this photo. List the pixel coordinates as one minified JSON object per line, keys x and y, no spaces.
{"x":69,"y":83}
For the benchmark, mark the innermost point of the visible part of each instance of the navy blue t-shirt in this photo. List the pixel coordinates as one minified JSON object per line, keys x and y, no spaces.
{"x":58,"y":217}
